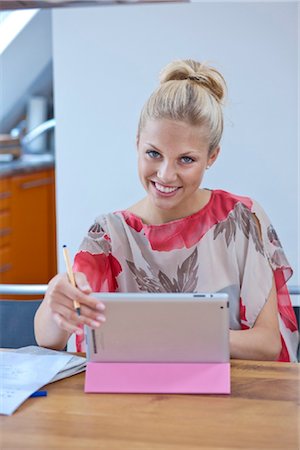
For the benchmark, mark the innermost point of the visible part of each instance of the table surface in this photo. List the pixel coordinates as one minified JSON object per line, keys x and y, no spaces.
{"x":262,"y":412}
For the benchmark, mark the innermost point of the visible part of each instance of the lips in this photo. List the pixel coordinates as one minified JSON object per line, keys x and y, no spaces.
{"x":166,"y":190}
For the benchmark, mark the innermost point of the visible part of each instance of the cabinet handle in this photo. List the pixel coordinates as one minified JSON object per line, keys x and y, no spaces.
{"x":4,"y":195}
{"x":5,"y":268}
{"x":36,"y":183}
{"x":5,"y":232}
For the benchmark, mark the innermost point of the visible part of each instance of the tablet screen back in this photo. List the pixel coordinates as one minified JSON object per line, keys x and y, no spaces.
{"x":161,"y":328}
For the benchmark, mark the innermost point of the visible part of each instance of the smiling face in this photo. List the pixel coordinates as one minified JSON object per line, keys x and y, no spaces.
{"x":172,"y":158}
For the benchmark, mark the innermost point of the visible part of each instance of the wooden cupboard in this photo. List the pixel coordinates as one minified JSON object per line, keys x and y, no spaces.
{"x":28,"y":228}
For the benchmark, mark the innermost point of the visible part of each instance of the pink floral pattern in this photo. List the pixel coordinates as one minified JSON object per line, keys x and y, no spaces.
{"x":222,"y":247}
{"x":101,"y":270}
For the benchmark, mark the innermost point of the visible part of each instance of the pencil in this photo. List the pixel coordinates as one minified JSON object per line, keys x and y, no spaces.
{"x":70,"y":275}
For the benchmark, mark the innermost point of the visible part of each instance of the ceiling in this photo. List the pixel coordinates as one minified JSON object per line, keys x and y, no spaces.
{"x":12,"y":4}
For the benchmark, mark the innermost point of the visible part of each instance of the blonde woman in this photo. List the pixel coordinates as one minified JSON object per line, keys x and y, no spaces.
{"x":182,"y":237}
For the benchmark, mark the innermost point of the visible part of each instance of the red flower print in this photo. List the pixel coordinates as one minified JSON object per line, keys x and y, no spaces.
{"x":101,"y":270}
{"x":244,"y":323}
{"x":187,"y":231}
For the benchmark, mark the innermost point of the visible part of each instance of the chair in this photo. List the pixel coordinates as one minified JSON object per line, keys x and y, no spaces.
{"x":16,"y":316}
{"x":294,"y":290}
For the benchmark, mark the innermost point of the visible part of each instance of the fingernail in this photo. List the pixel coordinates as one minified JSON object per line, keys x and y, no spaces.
{"x":86,"y":287}
{"x":79,"y":331}
{"x":94,"y":323}
{"x":100,"y":306}
{"x":101,"y":318}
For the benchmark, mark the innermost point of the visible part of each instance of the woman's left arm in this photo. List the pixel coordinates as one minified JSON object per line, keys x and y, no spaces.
{"x":263,"y":341}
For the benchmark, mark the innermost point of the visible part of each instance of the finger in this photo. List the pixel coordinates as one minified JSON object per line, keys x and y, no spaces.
{"x":92,"y":303}
{"x":62,"y":288}
{"x":87,"y":317}
{"x":84,"y":299}
{"x":82,"y":282}
{"x":66,"y":325}
{"x":92,"y":319}
{"x":92,"y":322}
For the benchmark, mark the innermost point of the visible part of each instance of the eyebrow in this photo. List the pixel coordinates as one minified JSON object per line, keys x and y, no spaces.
{"x":187,"y":153}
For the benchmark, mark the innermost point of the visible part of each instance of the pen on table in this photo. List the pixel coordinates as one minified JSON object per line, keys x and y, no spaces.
{"x":39,"y":394}
{"x":70,"y":275}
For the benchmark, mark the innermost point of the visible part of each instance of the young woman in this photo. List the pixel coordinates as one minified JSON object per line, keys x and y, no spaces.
{"x":181,"y":237}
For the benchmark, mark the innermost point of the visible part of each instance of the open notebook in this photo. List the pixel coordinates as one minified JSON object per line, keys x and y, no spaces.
{"x":27,"y":369}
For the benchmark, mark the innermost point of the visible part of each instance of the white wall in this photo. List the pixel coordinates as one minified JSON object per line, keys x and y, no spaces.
{"x":106,"y":63}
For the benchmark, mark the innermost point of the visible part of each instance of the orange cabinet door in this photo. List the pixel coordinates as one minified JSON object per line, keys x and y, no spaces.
{"x":33,"y":227}
{"x":6,"y":263}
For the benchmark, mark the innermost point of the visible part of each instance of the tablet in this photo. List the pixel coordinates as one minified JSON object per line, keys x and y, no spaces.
{"x":161,"y":327}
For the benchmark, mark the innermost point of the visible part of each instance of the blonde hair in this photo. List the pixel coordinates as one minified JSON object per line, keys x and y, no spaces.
{"x":190,"y":92}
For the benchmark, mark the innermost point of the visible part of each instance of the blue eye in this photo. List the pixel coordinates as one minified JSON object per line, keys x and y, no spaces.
{"x":153,"y":153}
{"x":187,"y":159}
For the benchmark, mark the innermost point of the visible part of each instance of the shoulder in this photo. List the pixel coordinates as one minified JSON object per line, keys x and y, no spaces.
{"x":114,"y":224}
{"x":228,"y":206}
{"x":239,"y":215}
{"x":228,"y":200}
{"x":97,"y":239}
{"x":104,"y":221}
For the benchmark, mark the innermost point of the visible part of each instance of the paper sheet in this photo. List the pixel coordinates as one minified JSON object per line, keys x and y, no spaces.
{"x":21,"y":374}
{"x":75,"y":365}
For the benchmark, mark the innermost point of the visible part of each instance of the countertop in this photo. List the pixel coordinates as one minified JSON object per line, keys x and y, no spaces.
{"x":27,"y":163}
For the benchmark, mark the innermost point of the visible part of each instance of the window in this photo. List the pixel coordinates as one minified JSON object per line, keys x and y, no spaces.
{"x":11,"y":23}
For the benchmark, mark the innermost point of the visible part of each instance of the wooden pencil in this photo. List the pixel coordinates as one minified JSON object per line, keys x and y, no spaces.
{"x":70,"y":275}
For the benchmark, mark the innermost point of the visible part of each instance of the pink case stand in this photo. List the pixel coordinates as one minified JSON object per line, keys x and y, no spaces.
{"x":160,"y":378}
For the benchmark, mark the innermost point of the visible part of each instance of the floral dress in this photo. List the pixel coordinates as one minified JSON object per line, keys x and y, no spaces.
{"x":220,"y":248}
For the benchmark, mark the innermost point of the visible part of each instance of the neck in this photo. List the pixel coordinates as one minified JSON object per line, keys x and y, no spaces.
{"x":151,"y":215}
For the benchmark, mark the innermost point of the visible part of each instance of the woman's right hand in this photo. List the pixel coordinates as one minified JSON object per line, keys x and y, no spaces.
{"x":60,"y":297}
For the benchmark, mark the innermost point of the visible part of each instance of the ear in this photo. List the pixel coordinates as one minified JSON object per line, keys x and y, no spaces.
{"x":213,"y":156}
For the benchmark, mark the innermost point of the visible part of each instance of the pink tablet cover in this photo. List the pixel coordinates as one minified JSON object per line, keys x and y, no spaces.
{"x":160,"y":378}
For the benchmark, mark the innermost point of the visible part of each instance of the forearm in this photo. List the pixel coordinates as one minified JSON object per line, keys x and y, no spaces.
{"x":47,"y":332}
{"x":255,"y":343}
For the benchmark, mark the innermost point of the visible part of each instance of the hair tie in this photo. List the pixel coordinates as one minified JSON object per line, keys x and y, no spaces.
{"x":196,"y":78}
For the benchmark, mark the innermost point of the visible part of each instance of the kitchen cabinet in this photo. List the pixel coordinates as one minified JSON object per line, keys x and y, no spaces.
{"x":5,"y":231}
{"x":28,"y":227}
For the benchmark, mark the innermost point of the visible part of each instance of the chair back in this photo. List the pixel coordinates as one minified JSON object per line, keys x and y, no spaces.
{"x":17,"y":316}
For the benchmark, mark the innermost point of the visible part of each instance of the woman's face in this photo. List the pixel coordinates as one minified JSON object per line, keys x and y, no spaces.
{"x":172,"y":158}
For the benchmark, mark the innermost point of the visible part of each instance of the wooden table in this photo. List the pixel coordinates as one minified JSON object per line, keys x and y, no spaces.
{"x":261,"y":413}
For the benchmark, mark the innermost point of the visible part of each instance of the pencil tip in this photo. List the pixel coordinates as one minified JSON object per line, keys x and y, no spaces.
{"x":64,"y":245}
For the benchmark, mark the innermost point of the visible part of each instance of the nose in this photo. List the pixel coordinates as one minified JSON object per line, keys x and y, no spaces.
{"x":167,"y":172}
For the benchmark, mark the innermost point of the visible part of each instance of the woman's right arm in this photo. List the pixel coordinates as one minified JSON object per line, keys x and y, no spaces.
{"x":56,"y":318}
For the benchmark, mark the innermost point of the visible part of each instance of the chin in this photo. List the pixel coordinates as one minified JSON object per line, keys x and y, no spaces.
{"x":166,"y":205}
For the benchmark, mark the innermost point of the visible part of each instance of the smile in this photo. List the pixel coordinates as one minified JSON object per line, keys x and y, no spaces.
{"x":165,"y":189}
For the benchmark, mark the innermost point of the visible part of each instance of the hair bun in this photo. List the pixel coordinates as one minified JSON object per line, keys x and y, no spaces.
{"x":200,"y":73}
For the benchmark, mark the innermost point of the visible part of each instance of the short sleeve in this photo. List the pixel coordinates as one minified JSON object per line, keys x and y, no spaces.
{"x":272,"y":246}
{"x":265,"y":259}
{"x":95,"y":259}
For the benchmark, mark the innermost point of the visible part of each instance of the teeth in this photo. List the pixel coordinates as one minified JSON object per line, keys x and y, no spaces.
{"x":165,"y":189}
